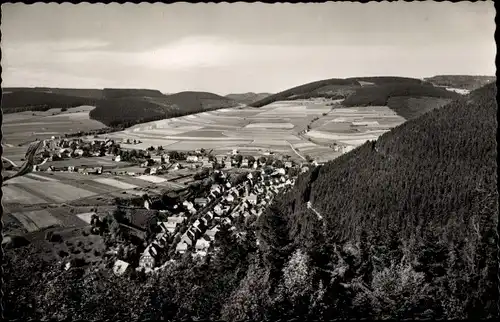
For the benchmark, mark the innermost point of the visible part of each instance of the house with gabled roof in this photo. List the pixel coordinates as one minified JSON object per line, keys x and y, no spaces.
{"x":147,"y":259}
{"x":252,"y":199}
{"x":203,"y":243}
{"x":181,"y":247}
{"x":218,"y":209}
{"x":202,"y":202}
{"x":212,"y":232}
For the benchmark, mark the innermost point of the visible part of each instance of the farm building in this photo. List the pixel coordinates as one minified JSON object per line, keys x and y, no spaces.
{"x":192,"y":158}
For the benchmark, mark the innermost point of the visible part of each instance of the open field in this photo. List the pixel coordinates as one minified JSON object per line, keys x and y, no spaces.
{"x":36,"y":220}
{"x":270,"y":128}
{"x":40,"y":200}
{"x":19,"y":128}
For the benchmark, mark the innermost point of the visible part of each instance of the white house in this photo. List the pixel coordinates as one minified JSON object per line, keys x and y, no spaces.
{"x":235,"y":151}
{"x":252,"y":198}
{"x":218,"y":210}
{"x":288,"y":164}
{"x":181,"y":247}
{"x":147,"y":260}
{"x":120,"y":267}
{"x":189,"y":205}
{"x":192,"y":158}
{"x":202,"y":244}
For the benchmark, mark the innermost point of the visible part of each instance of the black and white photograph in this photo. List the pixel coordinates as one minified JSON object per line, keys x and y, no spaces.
{"x":249,"y":161}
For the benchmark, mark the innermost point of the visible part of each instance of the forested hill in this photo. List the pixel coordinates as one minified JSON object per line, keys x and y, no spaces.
{"x":409,"y":97}
{"x":468,"y":82}
{"x":126,"y":108}
{"x":408,"y":230}
{"x":333,"y":88}
{"x":115,"y":107}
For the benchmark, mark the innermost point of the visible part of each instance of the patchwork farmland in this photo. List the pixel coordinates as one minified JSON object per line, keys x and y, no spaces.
{"x":276,"y":127}
{"x":40,"y":200}
{"x":19,"y":128}
{"x":297,"y":128}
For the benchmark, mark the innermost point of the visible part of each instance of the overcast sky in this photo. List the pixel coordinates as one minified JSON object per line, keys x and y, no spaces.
{"x":230,"y":48}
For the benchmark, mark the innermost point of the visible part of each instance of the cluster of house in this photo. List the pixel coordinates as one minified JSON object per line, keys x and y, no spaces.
{"x":69,"y":148}
{"x":223,"y":205}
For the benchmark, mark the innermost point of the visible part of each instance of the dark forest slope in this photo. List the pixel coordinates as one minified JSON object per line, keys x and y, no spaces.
{"x":409,"y":222}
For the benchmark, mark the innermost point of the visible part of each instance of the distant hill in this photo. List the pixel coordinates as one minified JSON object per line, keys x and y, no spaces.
{"x":78,"y":92}
{"x":333,"y":88}
{"x":380,"y":80}
{"x":37,"y":100}
{"x":145,"y":106}
{"x":467,"y":82}
{"x":409,"y":97}
{"x":110,"y":93}
{"x":409,"y":100}
{"x":115,"y":107}
{"x":413,"y":213}
{"x":248,"y":98}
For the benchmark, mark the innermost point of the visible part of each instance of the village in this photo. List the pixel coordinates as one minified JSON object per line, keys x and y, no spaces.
{"x":239,"y":189}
